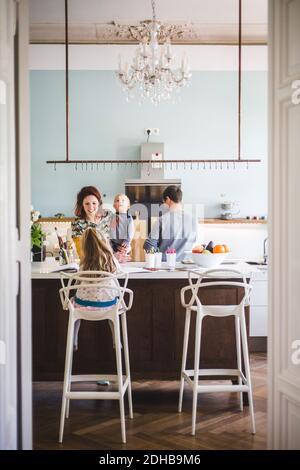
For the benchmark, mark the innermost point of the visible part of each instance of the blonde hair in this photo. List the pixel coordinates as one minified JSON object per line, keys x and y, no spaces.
{"x":124,"y":195}
{"x":96,"y":253}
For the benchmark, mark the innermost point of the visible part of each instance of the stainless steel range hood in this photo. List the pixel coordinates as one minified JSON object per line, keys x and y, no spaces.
{"x":149,"y":188}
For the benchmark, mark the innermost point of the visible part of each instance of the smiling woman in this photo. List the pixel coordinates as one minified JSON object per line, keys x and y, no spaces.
{"x":90,"y":213}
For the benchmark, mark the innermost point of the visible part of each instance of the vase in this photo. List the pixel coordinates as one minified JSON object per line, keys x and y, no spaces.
{"x":38,"y":253}
{"x":171,"y":260}
{"x":150,"y":260}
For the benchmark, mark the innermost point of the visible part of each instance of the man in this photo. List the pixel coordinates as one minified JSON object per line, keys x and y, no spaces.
{"x":175,"y":229}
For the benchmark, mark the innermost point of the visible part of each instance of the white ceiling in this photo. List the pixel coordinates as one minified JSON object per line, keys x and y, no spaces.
{"x":183,"y":11}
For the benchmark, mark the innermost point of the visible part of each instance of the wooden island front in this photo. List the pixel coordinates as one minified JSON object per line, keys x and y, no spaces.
{"x":155,"y":330}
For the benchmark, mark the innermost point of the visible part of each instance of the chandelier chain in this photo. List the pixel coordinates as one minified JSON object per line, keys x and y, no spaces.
{"x":153,"y":11}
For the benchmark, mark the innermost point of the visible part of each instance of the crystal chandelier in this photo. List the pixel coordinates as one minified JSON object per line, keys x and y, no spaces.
{"x":152,"y":71}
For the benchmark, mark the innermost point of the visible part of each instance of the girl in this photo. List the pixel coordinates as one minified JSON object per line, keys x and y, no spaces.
{"x":96,"y":256}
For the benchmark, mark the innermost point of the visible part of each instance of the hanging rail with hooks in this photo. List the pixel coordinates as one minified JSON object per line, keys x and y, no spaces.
{"x":209,"y":162}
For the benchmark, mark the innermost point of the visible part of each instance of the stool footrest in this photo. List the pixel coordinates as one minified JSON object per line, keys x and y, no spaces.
{"x":96,"y":377}
{"x":93,"y":395}
{"x":222,"y":388}
{"x":187,"y":374}
{"x":215,"y":372}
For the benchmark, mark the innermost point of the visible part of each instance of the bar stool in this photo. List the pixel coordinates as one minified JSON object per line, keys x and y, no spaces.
{"x":238,"y":311}
{"x":111,"y":284}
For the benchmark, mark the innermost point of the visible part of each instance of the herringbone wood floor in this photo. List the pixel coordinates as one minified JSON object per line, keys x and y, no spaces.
{"x":156,"y":424}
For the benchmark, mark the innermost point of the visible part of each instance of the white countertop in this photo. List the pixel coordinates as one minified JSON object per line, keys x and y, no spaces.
{"x":44,"y":270}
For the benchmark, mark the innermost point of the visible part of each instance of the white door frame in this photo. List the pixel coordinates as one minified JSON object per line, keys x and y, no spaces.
{"x":284,"y":228}
{"x":15,"y":283}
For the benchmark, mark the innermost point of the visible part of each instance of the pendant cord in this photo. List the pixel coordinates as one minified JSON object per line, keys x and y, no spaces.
{"x":67,"y":78}
{"x":239,"y":79}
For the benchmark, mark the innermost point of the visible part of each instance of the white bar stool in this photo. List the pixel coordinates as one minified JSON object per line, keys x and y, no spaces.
{"x":238,"y":311}
{"x":111,"y":284}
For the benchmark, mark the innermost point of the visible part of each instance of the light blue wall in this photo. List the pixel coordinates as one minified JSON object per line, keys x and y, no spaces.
{"x":202,"y":124}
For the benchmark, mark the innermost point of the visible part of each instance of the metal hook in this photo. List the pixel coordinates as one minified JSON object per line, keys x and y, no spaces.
{"x":210,"y":165}
{"x":76,"y":166}
{"x":191,"y":165}
{"x":54,"y":166}
{"x":92,"y":166}
{"x":97,"y":166}
{"x":111,"y":165}
{"x":227,"y":165}
{"x":247,"y":165}
{"x":86,"y":167}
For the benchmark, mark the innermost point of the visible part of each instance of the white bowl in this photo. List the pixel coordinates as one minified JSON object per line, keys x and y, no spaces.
{"x":205,"y":260}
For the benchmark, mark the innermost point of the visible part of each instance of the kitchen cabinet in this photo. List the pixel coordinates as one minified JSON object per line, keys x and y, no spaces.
{"x":259,"y":305}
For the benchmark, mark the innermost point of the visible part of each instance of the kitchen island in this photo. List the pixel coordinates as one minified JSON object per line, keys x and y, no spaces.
{"x":155,"y":327}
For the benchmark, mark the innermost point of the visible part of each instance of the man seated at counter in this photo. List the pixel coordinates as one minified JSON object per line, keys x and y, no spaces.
{"x":175,"y":229}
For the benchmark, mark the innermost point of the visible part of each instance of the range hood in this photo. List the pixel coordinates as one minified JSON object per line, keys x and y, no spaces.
{"x":148,"y":189}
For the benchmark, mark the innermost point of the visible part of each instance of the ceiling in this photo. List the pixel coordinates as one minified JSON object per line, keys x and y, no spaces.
{"x":131,"y":11}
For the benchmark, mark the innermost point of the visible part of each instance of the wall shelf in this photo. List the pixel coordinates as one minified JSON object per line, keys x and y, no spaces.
{"x":55,"y":220}
{"x":233,"y":221}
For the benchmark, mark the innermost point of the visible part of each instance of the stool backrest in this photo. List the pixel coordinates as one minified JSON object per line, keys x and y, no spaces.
{"x":87,"y":279}
{"x":221,"y":273}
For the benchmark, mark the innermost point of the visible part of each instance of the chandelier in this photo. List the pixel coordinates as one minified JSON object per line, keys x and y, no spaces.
{"x":152,"y":73}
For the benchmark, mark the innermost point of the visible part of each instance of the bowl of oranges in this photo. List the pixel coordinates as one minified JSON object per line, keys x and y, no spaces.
{"x":209,"y":256}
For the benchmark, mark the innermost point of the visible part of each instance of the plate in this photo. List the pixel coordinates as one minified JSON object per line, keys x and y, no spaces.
{"x":187,"y":261}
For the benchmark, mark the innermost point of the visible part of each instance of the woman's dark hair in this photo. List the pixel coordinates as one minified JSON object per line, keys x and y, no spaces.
{"x":83,"y":193}
{"x":173,"y":192}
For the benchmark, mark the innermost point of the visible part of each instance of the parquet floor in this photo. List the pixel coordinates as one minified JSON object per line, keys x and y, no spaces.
{"x":156,"y":424}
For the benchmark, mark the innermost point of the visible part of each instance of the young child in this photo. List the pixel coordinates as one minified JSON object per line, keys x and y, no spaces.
{"x":96,"y":255}
{"x":122,"y":227}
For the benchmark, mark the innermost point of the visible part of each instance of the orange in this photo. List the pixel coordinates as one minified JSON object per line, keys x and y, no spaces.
{"x":197,"y":249}
{"x":219,"y":249}
{"x":226,"y":247}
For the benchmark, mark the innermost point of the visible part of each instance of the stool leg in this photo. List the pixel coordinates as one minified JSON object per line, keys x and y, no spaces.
{"x":238,"y":354}
{"x":127,"y":365}
{"x":68,"y":361}
{"x":184,"y":355}
{"x":69,"y":388}
{"x":247,"y":370}
{"x":196,"y":369}
{"x":120,"y":375}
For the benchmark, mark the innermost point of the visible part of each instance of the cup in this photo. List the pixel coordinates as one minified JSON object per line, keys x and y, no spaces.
{"x":158,"y":258}
{"x":171,"y":260}
{"x":150,"y":260}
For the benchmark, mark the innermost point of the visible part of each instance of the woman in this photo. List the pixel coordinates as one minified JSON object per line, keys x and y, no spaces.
{"x":90,"y":214}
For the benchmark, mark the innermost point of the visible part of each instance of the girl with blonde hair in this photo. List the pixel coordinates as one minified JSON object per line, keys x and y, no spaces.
{"x":96,"y":256}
